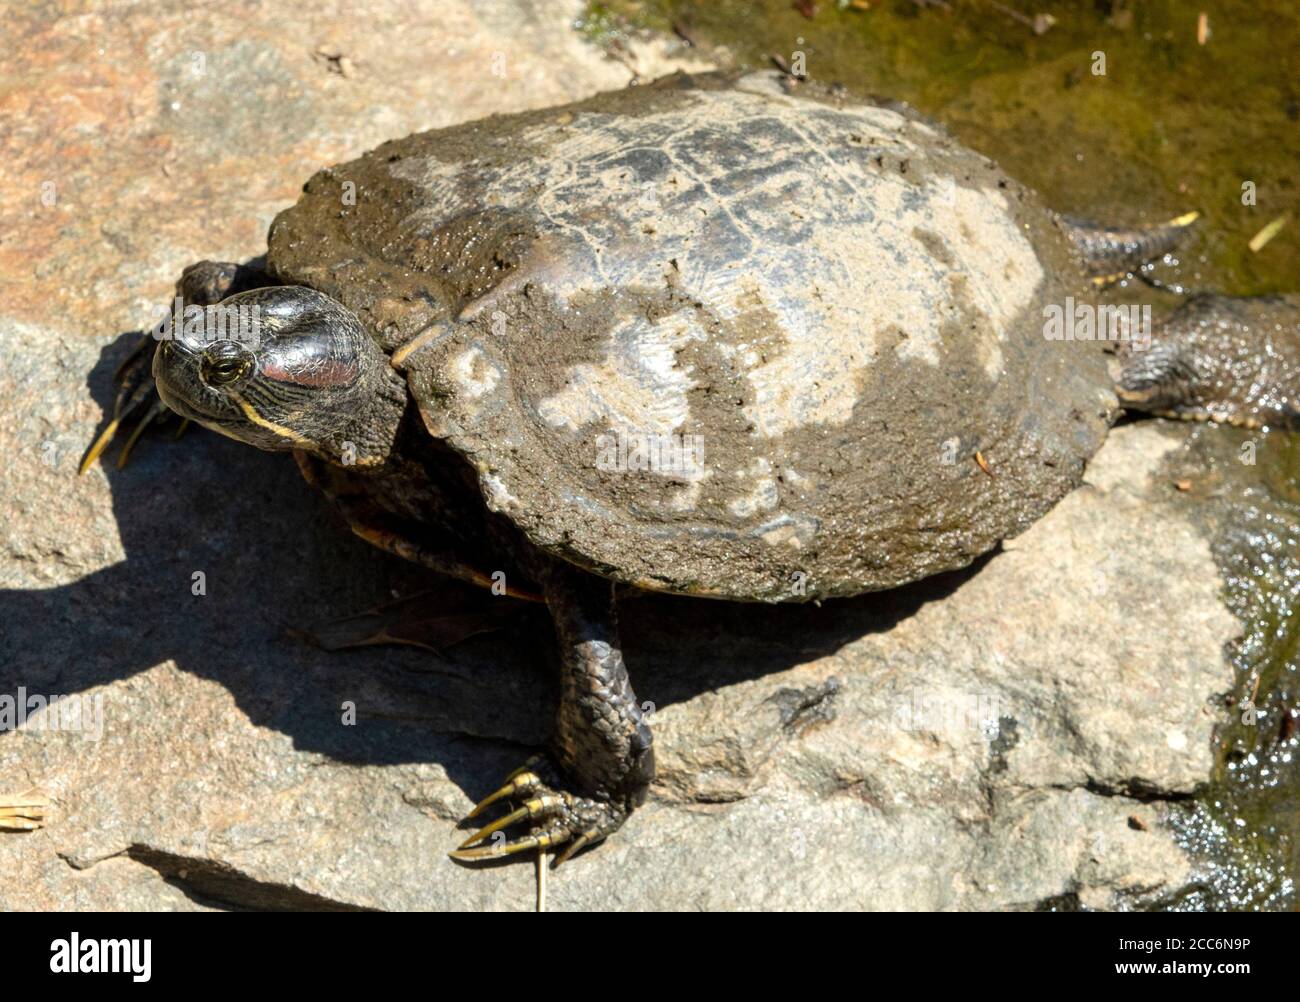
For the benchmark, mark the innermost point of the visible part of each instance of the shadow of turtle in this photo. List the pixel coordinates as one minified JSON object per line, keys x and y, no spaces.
{"x":228,"y":551}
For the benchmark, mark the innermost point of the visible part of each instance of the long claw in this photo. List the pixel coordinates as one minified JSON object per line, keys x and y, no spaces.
{"x":540,"y":805}
{"x":155,"y":409}
{"x":487,"y":851}
{"x":99,"y":446}
{"x":123,"y":408}
{"x":558,"y":821}
{"x":542,"y":841}
{"x":581,"y":842}
{"x":518,"y":782}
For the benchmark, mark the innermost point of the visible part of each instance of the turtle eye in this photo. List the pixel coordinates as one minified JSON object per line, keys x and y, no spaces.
{"x":225,"y":363}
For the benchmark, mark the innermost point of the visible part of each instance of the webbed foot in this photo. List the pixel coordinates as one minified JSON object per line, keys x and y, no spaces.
{"x":555,"y":816}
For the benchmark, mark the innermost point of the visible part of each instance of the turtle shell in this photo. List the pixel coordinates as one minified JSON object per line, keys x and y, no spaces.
{"x":713,"y":338}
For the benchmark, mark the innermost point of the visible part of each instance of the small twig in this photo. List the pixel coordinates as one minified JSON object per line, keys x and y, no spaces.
{"x":1038,"y":24}
{"x":1258,"y":241}
{"x":23,"y":812}
{"x":779,"y":62}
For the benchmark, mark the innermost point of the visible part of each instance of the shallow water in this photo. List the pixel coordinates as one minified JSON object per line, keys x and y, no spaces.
{"x":1118,"y":113}
{"x":1245,"y":827}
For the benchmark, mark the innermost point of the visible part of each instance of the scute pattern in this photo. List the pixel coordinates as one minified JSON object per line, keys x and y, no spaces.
{"x":805,"y":297}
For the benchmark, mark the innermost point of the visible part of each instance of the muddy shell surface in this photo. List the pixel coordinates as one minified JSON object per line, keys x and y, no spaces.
{"x":714,"y":338}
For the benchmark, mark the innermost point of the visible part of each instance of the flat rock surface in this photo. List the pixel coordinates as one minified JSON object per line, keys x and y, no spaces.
{"x":1005,"y":737}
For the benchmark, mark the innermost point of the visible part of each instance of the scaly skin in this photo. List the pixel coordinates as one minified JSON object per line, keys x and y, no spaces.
{"x":206,"y":283}
{"x":602,"y":742}
{"x":1111,"y":252}
{"x":601,"y":736}
{"x":1231,"y":360}
{"x":1222,"y":358}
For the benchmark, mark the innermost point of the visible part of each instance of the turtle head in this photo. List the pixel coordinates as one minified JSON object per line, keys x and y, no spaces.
{"x":283,"y":367}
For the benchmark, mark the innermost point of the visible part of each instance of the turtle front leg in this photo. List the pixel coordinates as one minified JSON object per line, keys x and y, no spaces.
{"x":602,"y":758}
{"x":205,"y":283}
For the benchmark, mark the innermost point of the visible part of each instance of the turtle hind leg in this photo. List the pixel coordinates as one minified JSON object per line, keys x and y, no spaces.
{"x":439,"y":552}
{"x":1163,"y":380}
{"x":603,"y":756}
{"x":204,"y":283}
{"x":1228,"y":359}
{"x":1114,"y":252}
{"x":434,"y":619}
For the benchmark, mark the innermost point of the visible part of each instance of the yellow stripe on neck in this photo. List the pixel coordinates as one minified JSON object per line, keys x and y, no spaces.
{"x":261,"y":422}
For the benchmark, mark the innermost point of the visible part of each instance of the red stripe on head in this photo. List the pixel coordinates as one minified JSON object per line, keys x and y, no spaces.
{"x":332,"y":372}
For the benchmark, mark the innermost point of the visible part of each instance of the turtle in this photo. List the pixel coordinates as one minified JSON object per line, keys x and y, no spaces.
{"x":716,"y":336}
